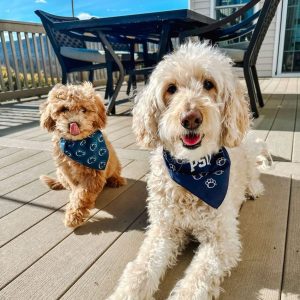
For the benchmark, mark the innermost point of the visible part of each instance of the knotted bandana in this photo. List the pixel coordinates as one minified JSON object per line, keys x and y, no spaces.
{"x":207,"y":178}
{"x":90,"y":152}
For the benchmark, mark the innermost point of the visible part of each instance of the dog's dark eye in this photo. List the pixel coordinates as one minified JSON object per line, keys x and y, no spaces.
{"x":208,"y":85}
{"x":64,"y":109}
{"x":172,"y":89}
{"x":83,"y":110}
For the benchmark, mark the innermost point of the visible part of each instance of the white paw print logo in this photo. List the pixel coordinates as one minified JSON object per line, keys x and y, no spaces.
{"x":93,"y":147}
{"x":71,"y":144}
{"x":68,"y":153}
{"x":210,"y":183}
{"x":102,"y":151}
{"x":82,"y":143}
{"x":179,"y":161}
{"x":221,"y":161}
{"x":80,"y":153}
{"x":102,"y":165}
{"x":219,"y":172}
{"x":100,"y":139}
{"x":200,"y":176}
{"x":91,"y":160}
{"x":172,"y":167}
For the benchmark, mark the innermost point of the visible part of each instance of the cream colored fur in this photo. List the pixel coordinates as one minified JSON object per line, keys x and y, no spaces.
{"x":175,"y":213}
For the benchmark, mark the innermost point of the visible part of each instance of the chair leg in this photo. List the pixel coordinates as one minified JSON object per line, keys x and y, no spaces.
{"x":257,"y":87}
{"x":129,"y":85}
{"x":91,"y":76}
{"x":64,"y":78}
{"x":109,"y":82}
{"x":251,"y":90}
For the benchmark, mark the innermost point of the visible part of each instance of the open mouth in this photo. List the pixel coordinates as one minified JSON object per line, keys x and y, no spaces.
{"x":192,"y":140}
{"x":74,"y":128}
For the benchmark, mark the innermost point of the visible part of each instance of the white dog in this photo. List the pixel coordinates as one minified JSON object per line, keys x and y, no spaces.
{"x":194,"y":116}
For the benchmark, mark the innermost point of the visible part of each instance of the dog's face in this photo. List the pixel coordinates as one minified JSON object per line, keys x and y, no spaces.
{"x":73,"y":111}
{"x":192,"y":105}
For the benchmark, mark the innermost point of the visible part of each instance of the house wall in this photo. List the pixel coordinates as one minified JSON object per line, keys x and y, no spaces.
{"x":265,"y":58}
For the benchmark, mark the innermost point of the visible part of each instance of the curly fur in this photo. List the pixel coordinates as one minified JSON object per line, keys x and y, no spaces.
{"x":175,"y":213}
{"x":80,"y":104}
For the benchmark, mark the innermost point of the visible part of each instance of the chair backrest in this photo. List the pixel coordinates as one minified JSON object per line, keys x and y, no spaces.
{"x":60,"y":39}
{"x":257,"y":24}
{"x":265,"y":18}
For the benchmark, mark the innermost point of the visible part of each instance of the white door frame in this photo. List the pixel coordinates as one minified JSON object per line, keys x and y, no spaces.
{"x":279,"y":40}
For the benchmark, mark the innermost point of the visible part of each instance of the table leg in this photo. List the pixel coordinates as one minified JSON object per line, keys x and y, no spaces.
{"x":164,"y":41}
{"x":109,"y":49}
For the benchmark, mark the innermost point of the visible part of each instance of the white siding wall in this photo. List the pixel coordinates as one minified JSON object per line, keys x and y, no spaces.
{"x":265,"y":59}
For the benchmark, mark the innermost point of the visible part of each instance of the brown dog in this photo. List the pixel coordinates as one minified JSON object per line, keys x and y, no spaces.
{"x":74,"y":113}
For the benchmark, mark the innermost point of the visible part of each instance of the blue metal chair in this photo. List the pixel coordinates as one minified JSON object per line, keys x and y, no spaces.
{"x":74,"y":56}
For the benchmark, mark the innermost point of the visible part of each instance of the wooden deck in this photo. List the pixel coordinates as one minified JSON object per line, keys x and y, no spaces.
{"x":41,"y":259}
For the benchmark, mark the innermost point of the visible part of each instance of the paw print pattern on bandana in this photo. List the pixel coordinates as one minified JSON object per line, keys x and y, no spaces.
{"x":102,"y":165}
{"x":91,"y":152}
{"x":207,"y":178}
{"x":68,"y":153}
{"x":102,"y":151}
{"x":221,"y":161}
{"x":219,"y":172}
{"x":71,"y":145}
{"x":172,"y":167}
{"x":93,"y":147}
{"x":80,"y":153}
{"x":200,"y":176}
{"x":82,"y":143}
{"x":210,"y":183}
{"x":91,"y":160}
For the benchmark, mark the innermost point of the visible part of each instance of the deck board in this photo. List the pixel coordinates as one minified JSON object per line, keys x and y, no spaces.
{"x":67,"y":261}
{"x":280,"y":138}
{"x":21,"y":196}
{"x":33,"y":238}
{"x":291,"y":278}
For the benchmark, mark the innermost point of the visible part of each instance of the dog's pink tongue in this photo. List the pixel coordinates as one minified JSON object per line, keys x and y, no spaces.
{"x":74,"y":129}
{"x":191,"y":139}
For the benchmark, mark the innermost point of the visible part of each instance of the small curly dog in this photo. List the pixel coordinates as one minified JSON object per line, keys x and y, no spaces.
{"x":84,"y":157}
{"x":194,"y":116}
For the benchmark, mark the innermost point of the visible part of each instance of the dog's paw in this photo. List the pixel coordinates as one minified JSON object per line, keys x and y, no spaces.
{"x":116,"y":181}
{"x":199,"y":294}
{"x":75,"y":217}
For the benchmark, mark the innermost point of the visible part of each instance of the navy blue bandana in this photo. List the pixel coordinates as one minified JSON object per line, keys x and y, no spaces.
{"x":207,"y":178}
{"x":90,"y":152}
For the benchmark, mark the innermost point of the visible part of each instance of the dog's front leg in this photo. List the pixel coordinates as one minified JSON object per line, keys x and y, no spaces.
{"x":159,"y":250}
{"x":77,"y":210}
{"x":213,"y":260}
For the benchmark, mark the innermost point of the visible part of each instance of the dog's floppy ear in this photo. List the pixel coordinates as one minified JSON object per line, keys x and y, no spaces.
{"x":46,"y":121}
{"x":101,"y":111}
{"x":145,"y":117}
{"x":236,"y":117}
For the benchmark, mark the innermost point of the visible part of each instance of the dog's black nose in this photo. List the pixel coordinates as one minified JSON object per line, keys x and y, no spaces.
{"x":191,"y":119}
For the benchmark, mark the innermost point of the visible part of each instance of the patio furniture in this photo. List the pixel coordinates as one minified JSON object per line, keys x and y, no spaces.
{"x":245,"y":53}
{"x":74,"y":56}
{"x":157,"y":27}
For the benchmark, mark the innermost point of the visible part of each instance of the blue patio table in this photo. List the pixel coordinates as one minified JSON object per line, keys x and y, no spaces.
{"x":157,"y":26}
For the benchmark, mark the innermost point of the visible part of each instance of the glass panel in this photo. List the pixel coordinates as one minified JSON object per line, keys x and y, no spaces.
{"x":291,"y":51}
{"x":230,"y":2}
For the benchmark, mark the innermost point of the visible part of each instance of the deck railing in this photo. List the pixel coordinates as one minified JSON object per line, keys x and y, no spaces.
{"x":28,"y":63}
